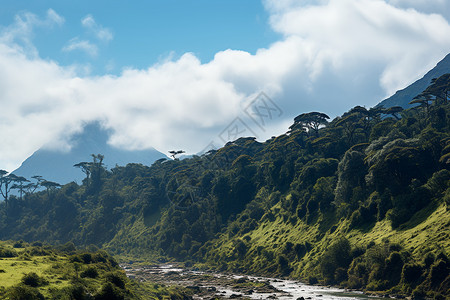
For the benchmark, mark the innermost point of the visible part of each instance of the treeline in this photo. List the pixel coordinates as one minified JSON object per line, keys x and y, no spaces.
{"x":276,"y":207}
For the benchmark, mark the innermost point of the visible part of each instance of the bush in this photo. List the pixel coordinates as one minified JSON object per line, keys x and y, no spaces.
{"x":411,"y":273}
{"x":68,"y":247}
{"x":90,"y":272}
{"x":34,"y":280}
{"x":439,"y":271}
{"x":5,"y":252}
{"x":23,"y":292}
{"x":283,"y":265}
{"x":38,"y":251}
{"x":116,"y":278}
{"x":19,"y":244}
{"x":110,"y":292}
{"x":338,"y":255}
{"x":312,"y":280}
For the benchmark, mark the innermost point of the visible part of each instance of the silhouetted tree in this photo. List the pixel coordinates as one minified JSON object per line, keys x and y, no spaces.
{"x":19,"y":185}
{"x":310,"y":121}
{"x":6,"y":184}
{"x":85,"y":168}
{"x":50,"y":186}
{"x":394,"y":111}
{"x":175,"y":153}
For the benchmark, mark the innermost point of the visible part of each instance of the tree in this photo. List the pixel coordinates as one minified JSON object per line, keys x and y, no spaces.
{"x":93,"y":170}
{"x":19,"y":185}
{"x":85,"y":168}
{"x":423,"y":99}
{"x":50,"y":185}
{"x":394,"y":111}
{"x":6,"y":185}
{"x":440,"y":88}
{"x":32,"y":187}
{"x":310,"y":121}
{"x":367,"y":117}
{"x":350,"y":125}
{"x":174,"y":153}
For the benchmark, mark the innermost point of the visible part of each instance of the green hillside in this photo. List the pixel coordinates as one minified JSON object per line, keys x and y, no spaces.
{"x":34,"y":271}
{"x":361,"y":201}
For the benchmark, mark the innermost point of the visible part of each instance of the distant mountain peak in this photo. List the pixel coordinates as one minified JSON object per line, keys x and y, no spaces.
{"x":57,"y":166}
{"x":404,"y":96}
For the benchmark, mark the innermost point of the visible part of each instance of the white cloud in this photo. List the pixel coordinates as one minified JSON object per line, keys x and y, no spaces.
{"x":103,"y":34}
{"x":368,"y":34}
{"x":20,"y":33}
{"x":334,"y":55}
{"x":53,"y":17}
{"x":83,"y":45}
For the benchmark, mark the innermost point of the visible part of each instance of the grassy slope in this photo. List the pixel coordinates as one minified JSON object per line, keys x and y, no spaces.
{"x":61,"y":272}
{"x":427,"y":231}
{"x":53,"y":268}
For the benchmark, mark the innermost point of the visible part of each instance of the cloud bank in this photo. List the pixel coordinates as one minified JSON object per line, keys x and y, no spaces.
{"x":332,"y":55}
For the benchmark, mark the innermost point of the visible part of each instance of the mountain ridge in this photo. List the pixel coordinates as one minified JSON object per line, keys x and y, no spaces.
{"x":404,"y":96}
{"x":57,"y":166}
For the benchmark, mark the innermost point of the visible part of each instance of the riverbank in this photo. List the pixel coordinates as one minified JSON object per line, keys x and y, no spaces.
{"x":211,"y":285}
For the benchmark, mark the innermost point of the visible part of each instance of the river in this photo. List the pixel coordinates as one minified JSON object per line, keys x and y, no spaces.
{"x":209,"y":285}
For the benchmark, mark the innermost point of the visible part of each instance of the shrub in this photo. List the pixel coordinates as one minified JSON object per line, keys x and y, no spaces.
{"x":109,"y":292}
{"x":312,"y":280}
{"x":90,"y":272}
{"x":38,"y":251}
{"x":439,"y":271}
{"x":86,"y":258}
{"x":116,"y":278}
{"x":19,"y":244}
{"x":5,"y":252}
{"x":23,"y":292}
{"x":283,"y":265}
{"x":411,"y":273}
{"x":34,"y":280}
{"x":68,"y":247}
{"x":338,"y":255}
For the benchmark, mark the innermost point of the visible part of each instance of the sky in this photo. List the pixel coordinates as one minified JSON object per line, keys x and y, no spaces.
{"x":193,"y":75}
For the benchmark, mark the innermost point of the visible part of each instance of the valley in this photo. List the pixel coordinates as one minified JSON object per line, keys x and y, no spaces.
{"x":212,"y":285}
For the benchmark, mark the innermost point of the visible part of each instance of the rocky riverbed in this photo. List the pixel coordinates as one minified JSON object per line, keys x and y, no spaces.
{"x":209,"y":285}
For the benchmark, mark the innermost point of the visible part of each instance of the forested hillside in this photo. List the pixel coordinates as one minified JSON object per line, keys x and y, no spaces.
{"x":360,"y":201}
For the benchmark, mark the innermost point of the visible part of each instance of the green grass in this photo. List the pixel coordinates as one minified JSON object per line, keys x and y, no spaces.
{"x":15,"y":268}
{"x":427,"y":231}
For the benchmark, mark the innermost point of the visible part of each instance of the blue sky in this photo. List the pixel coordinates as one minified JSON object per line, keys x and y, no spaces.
{"x":145,"y":32}
{"x":189,"y":74}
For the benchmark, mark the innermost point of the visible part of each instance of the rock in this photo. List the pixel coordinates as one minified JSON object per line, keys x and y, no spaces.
{"x":172,"y":273}
{"x":248,"y":292}
{"x":234,"y":296}
{"x":211,"y":289}
{"x":241,"y":280}
{"x":194,"y":288}
{"x":300,"y":298}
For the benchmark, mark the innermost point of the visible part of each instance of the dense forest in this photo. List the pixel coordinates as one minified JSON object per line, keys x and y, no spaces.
{"x":360,"y":201}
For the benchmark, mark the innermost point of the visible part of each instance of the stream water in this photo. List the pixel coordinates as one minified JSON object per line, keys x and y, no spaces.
{"x":210,"y":285}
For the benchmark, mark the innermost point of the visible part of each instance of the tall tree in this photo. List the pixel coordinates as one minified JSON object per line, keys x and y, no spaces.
{"x":394,"y":111}
{"x":310,"y":121}
{"x":6,"y":183}
{"x":440,"y":88}
{"x":174,"y":153}
{"x":50,"y":186}
{"x":85,"y":168}
{"x":20,"y":185}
